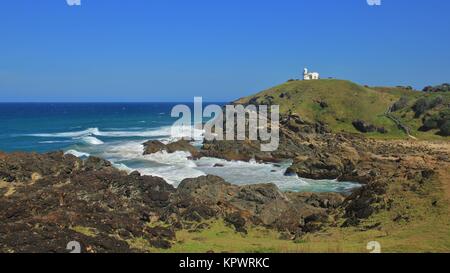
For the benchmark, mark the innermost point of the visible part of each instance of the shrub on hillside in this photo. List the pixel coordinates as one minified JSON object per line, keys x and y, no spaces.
{"x":420,"y":107}
{"x":424,"y":104}
{"x":445,"y":129}
{"x":429,"y":124}
{"x":399,"y":105}
{"x":439,"y":121}
{"x":405,"y":87}
{"x":439,"y":88}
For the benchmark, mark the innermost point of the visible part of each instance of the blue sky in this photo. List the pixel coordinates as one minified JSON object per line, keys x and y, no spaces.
{"x":172,"y":50}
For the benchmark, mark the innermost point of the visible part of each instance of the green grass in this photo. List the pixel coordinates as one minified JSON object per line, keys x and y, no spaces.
{"x":90,"y":232}
{"x":222,"y":238}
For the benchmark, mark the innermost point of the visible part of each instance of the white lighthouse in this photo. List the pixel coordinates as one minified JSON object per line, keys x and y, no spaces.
{"x":308,"y":76}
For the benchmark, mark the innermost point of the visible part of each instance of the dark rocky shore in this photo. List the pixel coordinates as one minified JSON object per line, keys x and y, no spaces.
{"x":48,"y":200}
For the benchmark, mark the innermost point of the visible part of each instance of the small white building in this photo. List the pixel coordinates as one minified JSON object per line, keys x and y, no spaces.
{"x":308,"y":76}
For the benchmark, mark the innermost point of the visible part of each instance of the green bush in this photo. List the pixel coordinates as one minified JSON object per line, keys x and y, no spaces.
{"x":445,"y":129}
{"x":439,"y":88}
{"x":420,"y":106}
{"x":430,"y":124}
{"x":402,"y":103}
{"x":423,"y":104}
{"x":436,"y":121}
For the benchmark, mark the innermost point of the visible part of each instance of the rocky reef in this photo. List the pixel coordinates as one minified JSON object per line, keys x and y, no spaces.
{"x":48,"y":200}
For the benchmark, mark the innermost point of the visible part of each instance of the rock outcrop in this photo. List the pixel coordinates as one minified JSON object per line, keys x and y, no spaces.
{"x":49,"y":200}
{"x":263,"y":204}
{"x":155,"y":146}
{"x":55,"y":198}
{"x":365,"y":127}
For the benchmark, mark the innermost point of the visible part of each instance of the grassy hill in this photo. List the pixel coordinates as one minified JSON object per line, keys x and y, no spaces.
{"x":338,"y":103}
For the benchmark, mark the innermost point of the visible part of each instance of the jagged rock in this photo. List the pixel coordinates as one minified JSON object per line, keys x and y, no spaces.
{"x":155,"y":146}
{"x":360,"y":204}
{"x":365,"y":127}
{"x":182,"y":145}
{"x":73,"y":200}
{"x":263,"y":204}
{"x":237,"y":221}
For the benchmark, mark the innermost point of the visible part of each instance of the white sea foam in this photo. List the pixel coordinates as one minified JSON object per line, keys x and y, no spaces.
{"x":173,"y":167}
{"x":87,"y":132}
{"x":54,"y":141}
{"x":239,"y":172}
{"x":173,"y":174}
{"x":166,"y":131}
{"x":77,"y":153}
{"x":123,"y":167}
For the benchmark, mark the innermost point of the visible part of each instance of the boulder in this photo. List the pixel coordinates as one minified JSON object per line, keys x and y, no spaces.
{"x":365,"y":127}
{"x":153,"y":146}
{"x":184,"y":146}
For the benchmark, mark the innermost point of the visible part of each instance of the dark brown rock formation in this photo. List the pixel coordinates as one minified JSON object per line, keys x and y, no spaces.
{"x":154,"y":146}
{"x":49,"y":200}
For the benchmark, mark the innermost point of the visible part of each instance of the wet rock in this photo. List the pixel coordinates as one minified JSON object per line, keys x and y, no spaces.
{"x":182,"y":145}
{"x":153,"y":146}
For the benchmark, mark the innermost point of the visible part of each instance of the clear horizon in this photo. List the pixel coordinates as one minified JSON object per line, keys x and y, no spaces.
{"x":155,"y":51}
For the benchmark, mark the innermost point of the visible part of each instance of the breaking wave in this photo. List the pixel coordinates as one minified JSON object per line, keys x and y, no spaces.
{"x":166,"y":131}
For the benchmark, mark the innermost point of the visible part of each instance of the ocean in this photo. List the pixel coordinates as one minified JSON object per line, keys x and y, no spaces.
{"x":116,"y":132}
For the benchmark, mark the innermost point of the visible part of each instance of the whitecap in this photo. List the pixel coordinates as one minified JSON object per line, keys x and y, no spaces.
{"x":123,"y":167}
{"x":54,"y":141}
{"x":87,"y":132}
{"x":77,"y":153}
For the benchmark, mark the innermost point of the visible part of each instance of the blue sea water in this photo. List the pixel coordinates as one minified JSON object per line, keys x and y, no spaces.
{"x":116,"y":131}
